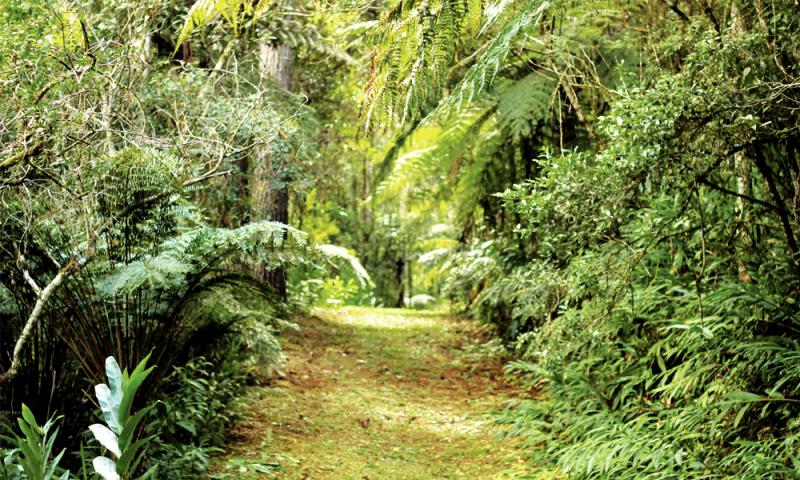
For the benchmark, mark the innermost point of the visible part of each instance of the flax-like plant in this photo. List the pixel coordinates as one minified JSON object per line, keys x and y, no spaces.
{"x":32,"y":455}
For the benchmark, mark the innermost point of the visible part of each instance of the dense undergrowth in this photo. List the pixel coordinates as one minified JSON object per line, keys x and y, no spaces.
{"x":613,"y":185}
{"x":136,"y":224}
{"x":650,"y":282}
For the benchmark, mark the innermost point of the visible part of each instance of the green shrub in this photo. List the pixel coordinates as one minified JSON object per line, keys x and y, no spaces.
{"x":191,"y":420}
{"x":32,"y":456}
{"x":118,"y":435}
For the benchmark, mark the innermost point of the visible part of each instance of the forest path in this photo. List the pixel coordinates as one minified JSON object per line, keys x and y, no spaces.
{"x":378,"y":394}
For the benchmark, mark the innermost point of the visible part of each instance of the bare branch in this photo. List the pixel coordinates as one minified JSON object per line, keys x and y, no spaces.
{"x":42,"y":297}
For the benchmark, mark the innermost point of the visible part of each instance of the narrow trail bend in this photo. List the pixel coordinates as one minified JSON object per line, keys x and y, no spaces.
{"x":377,"y":394}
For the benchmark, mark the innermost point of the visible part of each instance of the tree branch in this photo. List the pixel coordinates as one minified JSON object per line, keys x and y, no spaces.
{"x":675,"y":8}
{"x":21,"y":156}
{"x":783,"y":214}
{"x":42,"y":297}
{"x":749,"y":198}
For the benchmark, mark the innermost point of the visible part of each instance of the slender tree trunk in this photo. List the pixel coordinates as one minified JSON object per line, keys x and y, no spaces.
{"x":410,"y":279}
{"x":400,"y":265}
{"x":269,"y":183}
{"x":742,"y":166}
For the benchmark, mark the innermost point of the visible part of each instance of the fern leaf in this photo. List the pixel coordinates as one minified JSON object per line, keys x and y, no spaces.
{"x":486,"y":68}
{"x":524,"y":104}
{"x":202,"y":12}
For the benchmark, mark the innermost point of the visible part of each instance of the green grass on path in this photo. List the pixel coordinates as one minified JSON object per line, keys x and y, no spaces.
{"x":378,"y":394}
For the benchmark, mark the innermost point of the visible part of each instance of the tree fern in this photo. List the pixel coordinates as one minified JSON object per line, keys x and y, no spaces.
{"x":525,"y":104}
{"x":419,"y":46}
{"x":480,"y":75}
{"x":205,"y":249}
{"x":202,"y":12}
{"x":432,"y":149}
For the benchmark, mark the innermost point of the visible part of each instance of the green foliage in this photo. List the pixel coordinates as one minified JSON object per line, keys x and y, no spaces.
{"x":628,"y":219}
{"x":191,"y":420}
{"x":482,"y":73}
{"x":419,"y":42}
{"x":613,"y":185}
{"x":524,"y":105}
{"x":341,"y":255}
{"x":203,"y":12}
{"x":656,"y":322}
{"x":118,"y":435}
{"x":338,"y":279}
{"x":32,"y":456}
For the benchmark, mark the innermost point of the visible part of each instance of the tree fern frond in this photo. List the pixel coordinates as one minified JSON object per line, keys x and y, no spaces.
{"x":203,"y":250}
{"x":483,"y":72}
{"x":411,"y":63}
{"x":525,"y":103}
{"x":202,"y":12}
{"x":432,"y":148}
{"x":420,"y":44}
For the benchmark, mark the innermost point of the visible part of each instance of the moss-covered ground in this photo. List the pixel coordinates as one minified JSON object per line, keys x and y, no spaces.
{"x":378,"y":394}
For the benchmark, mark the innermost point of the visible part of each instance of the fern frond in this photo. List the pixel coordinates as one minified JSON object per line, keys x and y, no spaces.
{"x":338,"y":254}
{"x":526,"y":103}
{"x":203,"y":250}
{"x":202,"y":12}
{"x":484,"y":71}
{"x":418,"y":46}
{"x":413,"y":63}
{"x":431,"y":149}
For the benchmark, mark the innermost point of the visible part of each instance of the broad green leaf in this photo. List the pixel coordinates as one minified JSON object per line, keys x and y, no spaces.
{"x":745,"y":397}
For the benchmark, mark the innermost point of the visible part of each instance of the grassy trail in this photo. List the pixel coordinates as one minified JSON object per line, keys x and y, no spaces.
{"x":371,"y":394}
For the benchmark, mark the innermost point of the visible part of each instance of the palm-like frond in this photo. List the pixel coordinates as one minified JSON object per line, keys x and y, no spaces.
{"x":421,"y":42}
{"x":202,"y":12}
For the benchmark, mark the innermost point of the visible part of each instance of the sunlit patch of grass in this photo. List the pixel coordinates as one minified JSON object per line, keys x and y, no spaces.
{"x":385,"y":318}
{"x":377,"y":394}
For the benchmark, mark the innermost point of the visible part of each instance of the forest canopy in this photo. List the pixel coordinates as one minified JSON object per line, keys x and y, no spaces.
{"x":612,"y":186}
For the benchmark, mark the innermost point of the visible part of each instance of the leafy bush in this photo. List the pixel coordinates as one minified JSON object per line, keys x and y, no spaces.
{"x":665,"y":337}
{"x":33,"y":456}
{"x":201,"y":401}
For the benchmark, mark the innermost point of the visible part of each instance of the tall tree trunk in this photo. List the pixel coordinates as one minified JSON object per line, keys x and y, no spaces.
{"x":741,"y":165}
{"x":269,"y":183}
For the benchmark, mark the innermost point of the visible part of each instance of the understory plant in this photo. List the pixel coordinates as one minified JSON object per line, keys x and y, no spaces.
{"x":118,"y":435}
{"x":202,"y":400}
{"x":32,"y":456}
